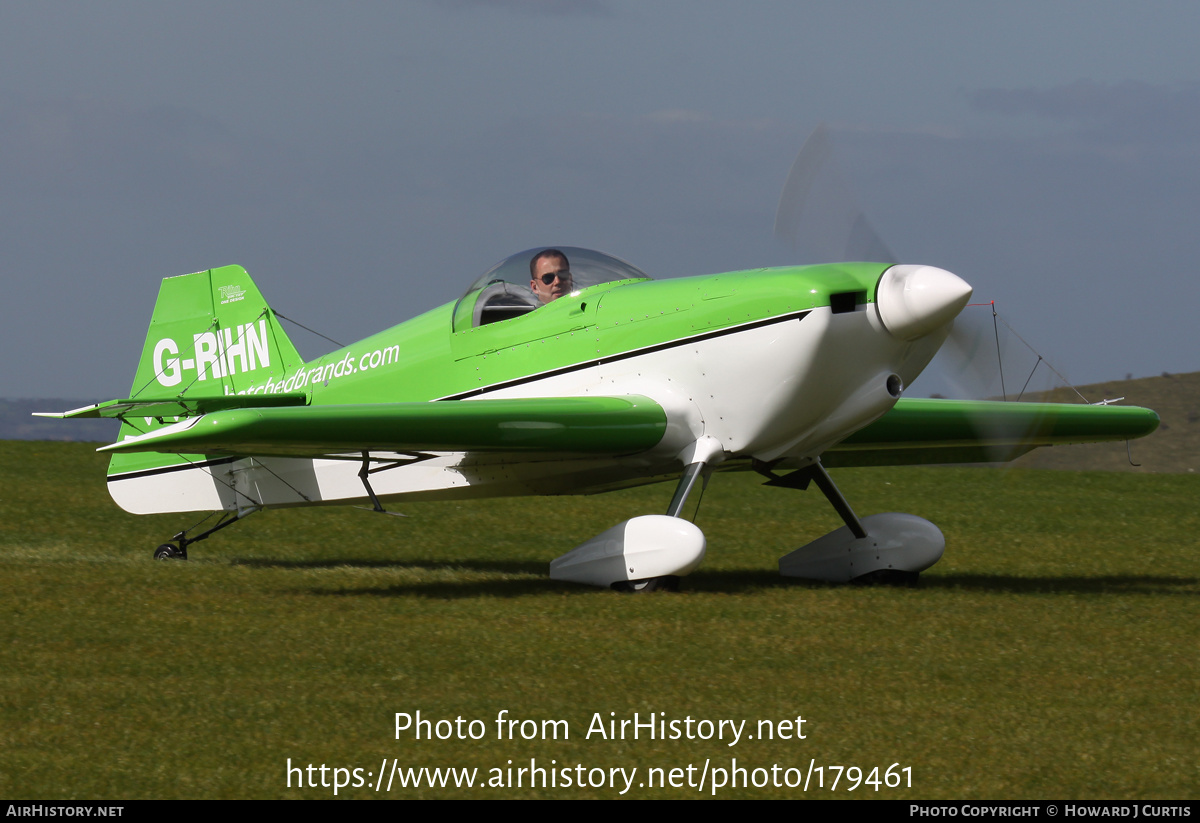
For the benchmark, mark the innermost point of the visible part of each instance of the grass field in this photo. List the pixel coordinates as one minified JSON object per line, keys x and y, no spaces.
{"x":1053,"y":653}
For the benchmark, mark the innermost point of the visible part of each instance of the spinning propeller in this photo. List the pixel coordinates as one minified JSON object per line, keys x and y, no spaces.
{"x":818,"y":212}
{"x":819,"y":218}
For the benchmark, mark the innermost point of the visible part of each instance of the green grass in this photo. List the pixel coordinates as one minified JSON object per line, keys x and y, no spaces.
{"x":1051,"y":653}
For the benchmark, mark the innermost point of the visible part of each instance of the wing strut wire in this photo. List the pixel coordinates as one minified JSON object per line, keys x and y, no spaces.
{"x":996,"y":320}
{"x":260,"y":463}
{"x":215,"y":324}
{"x":1030,"y":377}
{"x":1057,"y":373}
{"x":159,"y":373}
{"x":999,"y":362}
{"x":281,"y":316}
{"x":233,"y":488}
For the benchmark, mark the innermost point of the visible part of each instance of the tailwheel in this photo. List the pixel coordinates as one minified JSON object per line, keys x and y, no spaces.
{"x":173,"y":551}
{"x":169,"y":551}
{"x":667,"y":583}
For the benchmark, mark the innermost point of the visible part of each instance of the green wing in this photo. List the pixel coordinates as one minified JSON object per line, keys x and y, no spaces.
{"x":981,"y":431}
{"x":589,"y":425}
{"x":913,"y":432}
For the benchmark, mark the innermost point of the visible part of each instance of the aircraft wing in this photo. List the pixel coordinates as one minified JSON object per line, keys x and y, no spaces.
{"x":919,"y":431}
{"x":589,"y":425}
{"x":915,"y":431}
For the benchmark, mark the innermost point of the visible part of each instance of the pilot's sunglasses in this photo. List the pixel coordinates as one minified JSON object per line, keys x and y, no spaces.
{"x":565,"y":274}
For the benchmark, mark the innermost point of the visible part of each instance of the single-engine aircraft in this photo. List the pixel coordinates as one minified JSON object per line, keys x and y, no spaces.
{"x":620,"y":381}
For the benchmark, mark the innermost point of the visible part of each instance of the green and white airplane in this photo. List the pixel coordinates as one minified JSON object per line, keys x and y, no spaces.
{"x":573,"y":373}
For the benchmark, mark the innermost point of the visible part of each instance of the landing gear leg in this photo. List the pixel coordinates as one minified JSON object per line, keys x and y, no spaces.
{"x":696,"y":472}
{"x":816,"y":473}
{"x":891,"y":549}
{"x":178,"y":550}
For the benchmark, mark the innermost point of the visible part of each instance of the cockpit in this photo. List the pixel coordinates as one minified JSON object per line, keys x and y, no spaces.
{"x":505,"y":291}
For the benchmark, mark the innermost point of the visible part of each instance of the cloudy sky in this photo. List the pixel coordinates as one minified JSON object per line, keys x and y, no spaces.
{"x":368,"y":160}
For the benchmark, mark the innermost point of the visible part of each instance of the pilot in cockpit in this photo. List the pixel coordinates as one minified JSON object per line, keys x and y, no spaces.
{"x":550,"y":275}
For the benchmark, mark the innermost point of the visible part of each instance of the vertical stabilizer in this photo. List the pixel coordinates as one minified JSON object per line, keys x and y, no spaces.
{"x":211,"y":334}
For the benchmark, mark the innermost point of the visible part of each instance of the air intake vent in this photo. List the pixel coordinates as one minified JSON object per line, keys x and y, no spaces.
{"x":845,"y":301}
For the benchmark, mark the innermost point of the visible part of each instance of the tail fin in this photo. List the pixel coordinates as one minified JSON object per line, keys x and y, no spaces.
{"x":212,"y":335}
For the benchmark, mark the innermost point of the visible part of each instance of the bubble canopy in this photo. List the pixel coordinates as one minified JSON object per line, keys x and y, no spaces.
{"x":503,"y":291}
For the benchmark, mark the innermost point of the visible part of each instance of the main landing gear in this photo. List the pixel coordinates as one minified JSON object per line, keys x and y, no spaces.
{"x":178,"y":550}
{"x":647,"y":553}
{"x":890,"y":549}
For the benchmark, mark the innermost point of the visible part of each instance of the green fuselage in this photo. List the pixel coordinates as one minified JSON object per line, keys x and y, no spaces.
{"x":426,"y":358}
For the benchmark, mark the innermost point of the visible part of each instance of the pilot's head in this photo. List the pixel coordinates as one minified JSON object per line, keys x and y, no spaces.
{"x":550,"y":275}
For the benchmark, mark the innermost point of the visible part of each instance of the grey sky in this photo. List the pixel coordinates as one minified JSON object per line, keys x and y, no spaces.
{"x":366,"y":161}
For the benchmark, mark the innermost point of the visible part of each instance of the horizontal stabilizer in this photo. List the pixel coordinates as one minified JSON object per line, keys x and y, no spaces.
{"x":589,"y":425}
{"x":983,"y":431}
{"x":189,"y":406}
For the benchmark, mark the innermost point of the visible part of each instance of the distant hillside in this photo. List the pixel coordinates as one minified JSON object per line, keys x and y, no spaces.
{"x":1174,"y":448}
{"x":18,"y":423}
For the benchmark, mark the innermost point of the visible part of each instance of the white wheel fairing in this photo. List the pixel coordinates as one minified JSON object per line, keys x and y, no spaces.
{"x":903,"y":542}
{"x":652,"y":545}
